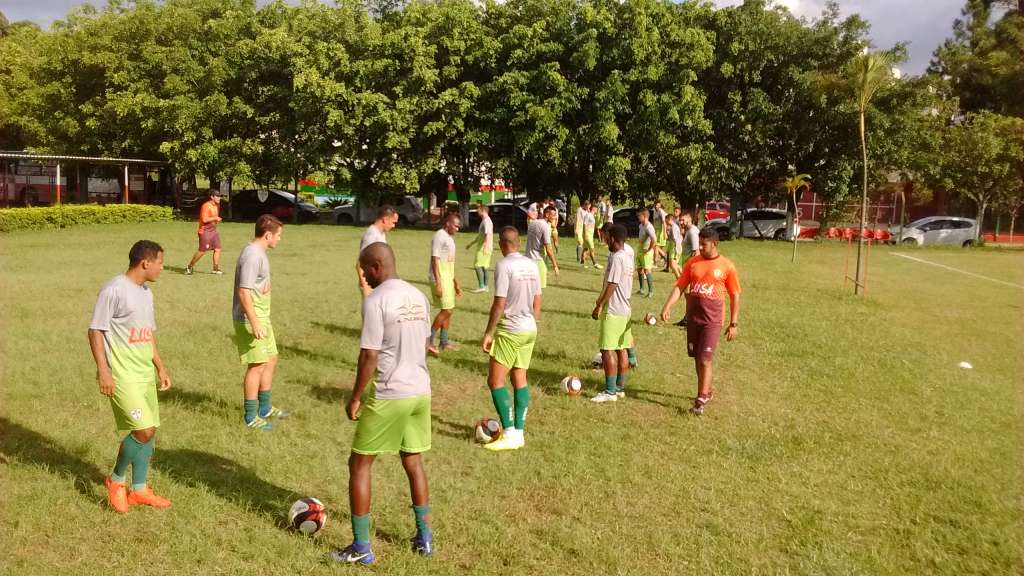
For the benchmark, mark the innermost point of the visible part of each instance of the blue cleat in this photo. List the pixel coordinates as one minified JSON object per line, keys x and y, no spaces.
{"x":352,"y":556}
{"x":423,"y":547}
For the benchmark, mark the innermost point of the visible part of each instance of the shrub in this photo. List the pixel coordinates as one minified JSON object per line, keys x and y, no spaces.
{"x":68,"y":215}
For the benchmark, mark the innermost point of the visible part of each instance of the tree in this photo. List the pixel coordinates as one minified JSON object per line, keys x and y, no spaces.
{"x":793,"y":184}
{"x":870,"y":73}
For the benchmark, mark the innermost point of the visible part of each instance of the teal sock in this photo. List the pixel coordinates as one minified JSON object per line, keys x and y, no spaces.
{"x":140,"y":465}
{"x":433,"y":335}
{"x":522,"y":406}
{"x":422,"y":528}
{"x":650,"y":284}
{"x":503,"y":405}
{"x":129,"y":448}
{"x":620,"y":382}
{"x":444,"y":336}
{"x":250,"y":410}
{"x":263,"y":397}
{"x":642,"y":289}
{"x":609,"y":384}
{"x":483,"y":272}
{"x":361,"y":529}
{"x":481,"y":278}
{"x":631,"y":354}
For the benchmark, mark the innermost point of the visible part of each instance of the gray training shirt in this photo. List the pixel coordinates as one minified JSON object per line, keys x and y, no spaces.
{"x":692,"y":243}
{"x":538,"y":235}
{"x":372,"y":235}
{"x":253,"y":272}
{"x":124,"y":313}
{"x":442,"y":247}
{"x":517,"y":280}
{"x":620,"y":272}
{"x":396,"y":323}
{"x":647,"y":231}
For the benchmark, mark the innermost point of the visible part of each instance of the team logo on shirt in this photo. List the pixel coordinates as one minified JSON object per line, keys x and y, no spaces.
{"x":717,"y":273}
{"x":411,"y":311}
{"x":140,"y":335}
{"x":136,"y":414}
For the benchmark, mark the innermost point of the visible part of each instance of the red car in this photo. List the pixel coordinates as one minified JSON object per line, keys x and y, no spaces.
{"x":715,"y":210}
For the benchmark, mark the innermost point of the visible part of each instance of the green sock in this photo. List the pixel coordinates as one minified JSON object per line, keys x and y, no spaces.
{"x":631,"y":354}
{"x":250,"y":410}
{"x":129,"y":448}
{"x":361,"y":529}
{"x":503,"y":404}
{"x":263,"y":397}
{"x":620,"y":382}
{"x":433,"y":335}
{"x":444,"y":336}
{"x":609,"y":384}
{"x":650,"y":284}
{"x":140,"y":464}
{"x":481,"y":278}
{"x":522,"y":406}
{"x":642,"y":289}
{"x":422,"y":528}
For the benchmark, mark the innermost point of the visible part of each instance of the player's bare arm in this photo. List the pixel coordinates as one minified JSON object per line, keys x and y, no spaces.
{"x":458,"y":287}
{"x":609,"y":289}
{"x":364,"y":373}
{"x":666,"y":310}
{"x":734,"y":317}
{"x":536,"y":307}
{"x":435,"y":266}
{"x":99,"y":354}
{"x":161,"y":372}
{"x":497,"y":307}
{"x":551,"y":254}
{"x":245,"y":297}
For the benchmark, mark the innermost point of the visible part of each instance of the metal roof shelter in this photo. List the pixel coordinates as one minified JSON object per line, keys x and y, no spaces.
{"x":26,"y":177}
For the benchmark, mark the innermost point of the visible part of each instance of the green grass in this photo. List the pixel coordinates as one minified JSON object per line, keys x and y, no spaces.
{"x":843,"y":438}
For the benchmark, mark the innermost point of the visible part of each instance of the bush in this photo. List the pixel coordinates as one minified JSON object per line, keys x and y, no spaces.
{"x":68,"y":215}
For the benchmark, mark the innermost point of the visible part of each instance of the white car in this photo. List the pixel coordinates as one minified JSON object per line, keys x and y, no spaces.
{"x":762,"y":223}
{"x":938,"y":230}
{"x":408,"y":207}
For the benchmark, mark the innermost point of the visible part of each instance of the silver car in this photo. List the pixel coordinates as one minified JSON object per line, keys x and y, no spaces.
{"x":938,"y":230}
{"x":408,"y":207}
{"x":763,"y":223}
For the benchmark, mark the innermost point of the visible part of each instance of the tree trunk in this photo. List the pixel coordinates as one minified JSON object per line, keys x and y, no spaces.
{"x":1013,"y":220}
{"x":796,"y":222}
{"x":981,"y":220}
{"x":863,"y":205}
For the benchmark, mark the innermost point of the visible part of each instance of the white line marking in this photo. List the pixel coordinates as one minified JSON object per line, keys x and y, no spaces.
{"x":908,"y":257}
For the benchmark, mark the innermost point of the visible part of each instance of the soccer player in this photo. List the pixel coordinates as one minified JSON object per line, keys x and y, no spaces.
{"x":130,"y":372}
{"x":396,"y":417}
{"x":645,"y":257}
{"x":538,"y":244}
{"x":254,"y":333}
{"x":705,"y":280}
{"x":607,"y":216}
{"x":691,"y":238}
{"x":510,"y":336}
{"x":658,"y":219}
{"x":589,"y":224}
{"x":581,"y":215}
{"x":446,"y":285}
{"x":209,"y":238}
{"x":485,"y":247}
{"x":674,"y":245}
{"x":613,"y":310}
{"x":552,"y":218}
{"x":387,"y":218}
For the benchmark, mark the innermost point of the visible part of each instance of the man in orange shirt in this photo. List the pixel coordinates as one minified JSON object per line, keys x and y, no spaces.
{"x":209,"y":238}
{"x":706,"y":279}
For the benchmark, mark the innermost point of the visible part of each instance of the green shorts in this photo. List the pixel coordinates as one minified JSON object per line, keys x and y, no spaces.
{"x":447,"y":301}
{"x":579,"y":234}
{"x":393,"y":426}
{"x":483,"y":258}
{"x":513,"y":349}
{"x":135,"y":406}
{"x":251,"y":350}
{"x":645,"y":260}
{"x":615,"y":332}
{"x":542,"y":271}
{"x":588,"y":240}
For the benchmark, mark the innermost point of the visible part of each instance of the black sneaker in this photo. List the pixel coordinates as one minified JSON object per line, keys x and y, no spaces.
{"x":682,"y":323}
{"x":421,"y":546}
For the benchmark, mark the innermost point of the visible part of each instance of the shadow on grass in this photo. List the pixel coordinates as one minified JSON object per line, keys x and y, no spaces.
{"x":195,"y":400}
{"x":549,"y":382}
{"x":311,"y":355}
{"x":338,"y":329}
{"x":330,"y":394}
{"x":572,"y":288}
{"x":25,"y":445}
{"x":228,"y":480}
{"x":452,"y":429}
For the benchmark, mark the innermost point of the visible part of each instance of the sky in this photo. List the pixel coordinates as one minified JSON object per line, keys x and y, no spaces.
{"x":922,"y":23}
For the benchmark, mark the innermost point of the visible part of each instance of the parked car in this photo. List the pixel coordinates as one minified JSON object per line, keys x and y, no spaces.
{"x":716,"y":210}
{"x":762,"y":223}
{"x":938,"y":230}
{"x":524,"y":203}
{"x":502,"y":214}
{"x":408,"y":207}
{"x":628,"y":218}
{"x":251,"y":204}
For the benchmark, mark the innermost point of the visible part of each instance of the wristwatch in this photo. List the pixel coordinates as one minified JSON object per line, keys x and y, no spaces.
{"x":733,"y":325}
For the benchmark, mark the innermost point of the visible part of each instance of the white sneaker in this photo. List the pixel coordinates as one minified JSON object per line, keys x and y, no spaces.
{"x":478,"y":291}
{"x":188,"y":270}
{"x":621,"y":393}
{"x":604,"y":397}
{"x":511,"y":439}
{"x":218,"y":272}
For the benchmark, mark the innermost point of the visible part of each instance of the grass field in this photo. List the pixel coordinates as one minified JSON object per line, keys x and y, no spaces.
{"x":843,"y":439}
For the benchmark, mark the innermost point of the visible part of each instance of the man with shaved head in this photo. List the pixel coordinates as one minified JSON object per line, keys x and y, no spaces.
{"x":396,"y":417}
{"x":510,"y":336}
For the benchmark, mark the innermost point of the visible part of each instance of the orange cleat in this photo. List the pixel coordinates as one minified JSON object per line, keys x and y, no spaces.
{"x":146,"y":497}
{"x":117,"y":495}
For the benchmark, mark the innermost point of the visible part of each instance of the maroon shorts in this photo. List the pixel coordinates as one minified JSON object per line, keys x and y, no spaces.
{"x":703,"y":326}
{"x":209,"y":240}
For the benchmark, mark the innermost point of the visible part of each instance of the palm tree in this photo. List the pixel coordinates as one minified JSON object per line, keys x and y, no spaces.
{"x":792,"y":185}
{"x":871,"y":71}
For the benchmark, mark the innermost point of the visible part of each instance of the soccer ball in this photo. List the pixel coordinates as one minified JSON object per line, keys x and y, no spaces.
{"x":571,"y":385}
{"x":307,"y":516}
{"x":598,"y":361}
{"x":487,"y":430}
{"x":650,"y":319}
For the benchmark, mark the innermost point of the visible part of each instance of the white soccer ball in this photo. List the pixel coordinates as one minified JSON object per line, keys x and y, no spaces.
{"x":571,"y":385}
{"x":650,"y":319}
{"x":598,"y":361}
{"x":307,"y":515}
{"x":488,"y":430}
